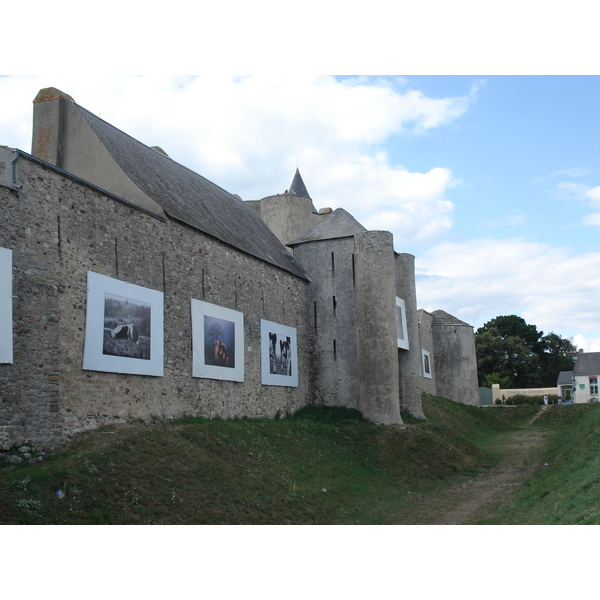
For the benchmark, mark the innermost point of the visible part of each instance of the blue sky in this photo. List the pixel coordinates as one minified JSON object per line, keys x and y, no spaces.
{"x":515,"y":149}
{"x":492,"y":182}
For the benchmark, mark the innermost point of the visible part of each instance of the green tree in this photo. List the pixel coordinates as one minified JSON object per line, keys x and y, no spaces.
{"x":510,"y":358}
{"x":514,"y":326}
{"x":509,"y":347}
{"x":556,"y":356}
{"x":493,"y":378}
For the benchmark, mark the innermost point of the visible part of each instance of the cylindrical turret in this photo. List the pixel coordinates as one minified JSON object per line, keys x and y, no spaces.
{"x":378,"y":390}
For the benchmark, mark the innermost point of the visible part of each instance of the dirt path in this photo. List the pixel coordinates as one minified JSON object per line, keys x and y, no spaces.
{"x":477,"y":499}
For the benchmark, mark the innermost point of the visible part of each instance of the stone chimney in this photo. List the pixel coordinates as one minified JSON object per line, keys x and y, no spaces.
{"x":49,"y":117}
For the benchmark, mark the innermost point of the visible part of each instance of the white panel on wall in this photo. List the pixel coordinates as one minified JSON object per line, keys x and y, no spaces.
{"x":217,"y":342}
{"x":6,"y":333}
{"x":279,"y":355}
{"x":123,"y":327}
{"x":401,"y":329}
{"x":426,"y":364}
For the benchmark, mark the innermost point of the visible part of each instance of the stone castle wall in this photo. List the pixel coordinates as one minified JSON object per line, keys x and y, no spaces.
{"x":409,"y":361}
{"x":456,"y":362}
{"x":58,"y":230}
{"x":378,"y":377}
{"x":287,"y":215}
{"x":59,"y":227}
{"x":330,"y":266}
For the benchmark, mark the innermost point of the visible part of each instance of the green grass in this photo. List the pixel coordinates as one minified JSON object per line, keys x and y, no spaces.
{"x":566,"y":489}
{"x":321,"y":466}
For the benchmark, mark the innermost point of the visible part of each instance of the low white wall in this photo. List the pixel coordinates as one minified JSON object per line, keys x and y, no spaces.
{"x":497,"y":393}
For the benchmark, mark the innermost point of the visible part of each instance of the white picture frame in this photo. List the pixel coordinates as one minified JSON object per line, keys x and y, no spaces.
{"x":401,"y":329}
{"x":279,"y":354}
{"x":217,"y":342}
{"x":426,"y":363}
{"x":6,"y":307}
{"x":124,"y":327}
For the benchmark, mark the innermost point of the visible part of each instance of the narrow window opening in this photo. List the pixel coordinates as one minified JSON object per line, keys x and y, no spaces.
{"x":315,"y":313}
{"x":334,"y":349}
{"x":334,"y":305}
{"x":58,"y":233}
{"x":353,"y":271}
{"x":332,"y":263}
{"x":117,"y":258}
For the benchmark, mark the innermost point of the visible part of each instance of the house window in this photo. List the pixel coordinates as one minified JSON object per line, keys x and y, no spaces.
{"x":594,"y":386}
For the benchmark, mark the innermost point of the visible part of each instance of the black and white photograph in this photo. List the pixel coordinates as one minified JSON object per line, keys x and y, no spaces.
{"x":6,"y":333}
{"x":124,"y":327}
{"x":217,"y":341}
{"x":278,"y":354}
{"x":280,"y":360}
{"x":401,"y":331}
{"x":426,"y":364}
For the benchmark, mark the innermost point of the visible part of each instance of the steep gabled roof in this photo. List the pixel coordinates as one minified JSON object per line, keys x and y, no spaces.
{"x":587,"y":363}
{"x":298,"y":186}
{"x":338,"y":224}
{"x":189,"y":197}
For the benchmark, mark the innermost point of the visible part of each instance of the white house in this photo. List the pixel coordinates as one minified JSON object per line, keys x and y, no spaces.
{"x":586,"y":373}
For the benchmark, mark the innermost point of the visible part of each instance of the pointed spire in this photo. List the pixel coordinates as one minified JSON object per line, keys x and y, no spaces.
{"x":298,"y":186}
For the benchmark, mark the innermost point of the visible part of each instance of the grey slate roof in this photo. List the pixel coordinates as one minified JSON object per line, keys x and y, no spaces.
{"x":587,"y":363}
{"x":565,"y":378}
{"x":441,"y":317}
{"x":338,"y":224}
{"x":191,"y":198}
{"x":298,"y":186}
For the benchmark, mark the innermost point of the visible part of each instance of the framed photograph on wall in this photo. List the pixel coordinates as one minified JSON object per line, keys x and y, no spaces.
{"x":401,"y":330}
{"x":279,"y":355}
{"x":6,"y":333}
{"x":426,"y":364}
{"x":123,"y":327}
{"x":217,"y":342}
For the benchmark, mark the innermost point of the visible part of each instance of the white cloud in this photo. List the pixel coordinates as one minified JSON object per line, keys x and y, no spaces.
{"x":592,"y":220}
{"x":482,"y":278}
{"x":410,"y":205}
{"x":574,"y":191}
{"x":248,"y":133}
{"x":587,"y":344}
{"x":571,"y":190}
{"x":594,"y":195}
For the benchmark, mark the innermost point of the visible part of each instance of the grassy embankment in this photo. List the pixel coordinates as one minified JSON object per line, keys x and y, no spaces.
{"x":566,"y":489}
{"x":322,"y":466}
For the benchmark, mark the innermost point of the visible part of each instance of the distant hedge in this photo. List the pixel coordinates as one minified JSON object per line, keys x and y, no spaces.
{"x":521,"y":399}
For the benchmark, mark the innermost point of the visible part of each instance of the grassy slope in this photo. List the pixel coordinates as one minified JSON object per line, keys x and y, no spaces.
{"x":566,"y":490}
{"x":320,"y":466}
